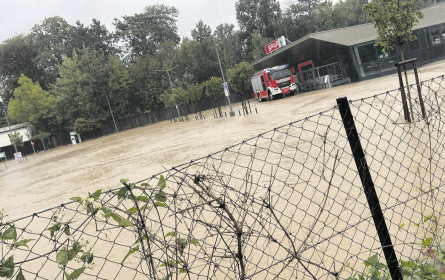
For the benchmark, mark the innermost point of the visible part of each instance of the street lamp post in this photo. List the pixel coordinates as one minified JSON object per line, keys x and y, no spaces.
{"x":226,"y":87}
{"x":171,"y":85}
{"x":112,"y":116}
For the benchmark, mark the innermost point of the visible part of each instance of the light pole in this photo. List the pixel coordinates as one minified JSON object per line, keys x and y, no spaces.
{"x":171,"y":86}
{"x":225,"y":85}
{"x":112,"y":116}
{"x":9,"y":126}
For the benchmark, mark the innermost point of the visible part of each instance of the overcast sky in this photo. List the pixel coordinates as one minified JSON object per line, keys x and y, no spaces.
{"x":19,"y":16}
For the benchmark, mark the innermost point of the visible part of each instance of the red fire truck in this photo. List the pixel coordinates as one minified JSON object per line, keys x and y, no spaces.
{"x":273,"y":82}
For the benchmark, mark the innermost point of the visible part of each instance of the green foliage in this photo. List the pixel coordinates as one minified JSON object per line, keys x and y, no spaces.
{"x":394,"y":21}
{"x":17,"y":56}
{"x":214,"y":87}
{"x":429,"y":264}
{"x":41,"y":135}
{"x":239,"y":77}
{"x":178,"y":97}
{"x":9,"y":237}
{"x":201,"y":31}
{"x":261,"y":15}
{"x":84,"y":126}
{"x":32,"y":104}
{"x":143,"y":33}
{"x":16,"y":138}
{"x":53,"y":39}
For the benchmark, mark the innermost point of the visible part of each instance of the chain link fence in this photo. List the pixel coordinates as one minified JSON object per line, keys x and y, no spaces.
{"x":288,"y":203}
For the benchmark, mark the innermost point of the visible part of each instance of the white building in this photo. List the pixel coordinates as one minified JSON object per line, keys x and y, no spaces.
{"x":26,"y":130}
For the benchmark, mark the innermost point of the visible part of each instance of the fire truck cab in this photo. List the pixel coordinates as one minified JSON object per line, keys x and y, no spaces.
{"x":273,"y":82}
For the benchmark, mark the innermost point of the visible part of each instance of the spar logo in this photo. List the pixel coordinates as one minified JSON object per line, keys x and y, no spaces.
{"x":275,"y":44}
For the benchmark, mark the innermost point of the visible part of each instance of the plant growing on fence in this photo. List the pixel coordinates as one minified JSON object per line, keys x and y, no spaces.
{"x":8,"y":237}
{"x":429,"y":264}
{"x":134,"y":201}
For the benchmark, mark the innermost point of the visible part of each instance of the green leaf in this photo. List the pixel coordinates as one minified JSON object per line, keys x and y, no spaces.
{"x":168,"y":263}
{"x":143,"y":198}
{"x":121,"y":193}
{"x":7,"y":268}
{"x":132,"y":251}
{"x":67,"y":230}
{"x":20,"y":276}
{"x":193,"y":241}
{"x":125,"y":223}
{"x":132,"y":210}
{"x":106,"y":210}
{"x":181,"y":243}
{"x":96,"y":194}
{"x":161,"y":196}
{"x":23,"y":242}
{"x":124,"y":181}
{"x":87,"y":257}
{"x":54,"y":228}
{"x":183,"y":270}
{"x":10,"y":234}
{"x":162,"y":184}
{"x":373,"y":260}
{"x":75,"y":274}
{"x":121,"y":221}
{"x":427,"y":242}
{"x":160,"y":204}
{"x":76,"y":199}
{"x":62,"y":257}
{"x":171,"y":233}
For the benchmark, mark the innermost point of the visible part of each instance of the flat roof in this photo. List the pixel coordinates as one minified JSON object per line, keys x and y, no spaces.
{"x":354,"y":35}
{"x":362,"y":33}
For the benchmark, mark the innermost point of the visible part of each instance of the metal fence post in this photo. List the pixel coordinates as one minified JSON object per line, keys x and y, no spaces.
{"x":402,"y":90}
{"x":368,"y":185}
{"x":419,"y":89}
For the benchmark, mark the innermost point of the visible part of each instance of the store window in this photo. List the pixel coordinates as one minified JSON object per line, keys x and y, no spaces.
{"x":367,"y":53}
{"x":436,"y":35}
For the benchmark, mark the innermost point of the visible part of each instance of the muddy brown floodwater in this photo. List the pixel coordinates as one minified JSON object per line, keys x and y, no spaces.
{"x":50,"y":178}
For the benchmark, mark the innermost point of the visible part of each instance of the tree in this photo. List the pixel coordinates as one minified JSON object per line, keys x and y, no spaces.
{"x":95,"y":37}
{"x":16,"y":139}
{"x":53,"y":40}
{"x":213,"y":87}
{"x":143,"y":33}
{"x":178,"y":97}
{"x":256,"y":14}
{"x":239,"y":77}
{"x":17,"y":56}
{"x":229,"y":46}
{"x":201,"y":31}
{"x":82,"y":86}
{"x":31,"y":103}
{"x":146,"y":84}
{"x":198,"y":58}
{"x":258,"y":44}
{"x":394,"y":21}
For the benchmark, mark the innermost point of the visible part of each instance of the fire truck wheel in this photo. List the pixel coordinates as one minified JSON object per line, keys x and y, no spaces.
{"x":259,"y":97}
{"x":292,"y":93}
{"x":270,"y":96}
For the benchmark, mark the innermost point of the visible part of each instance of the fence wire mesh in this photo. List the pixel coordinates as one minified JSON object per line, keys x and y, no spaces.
{"x":288,"y":203}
